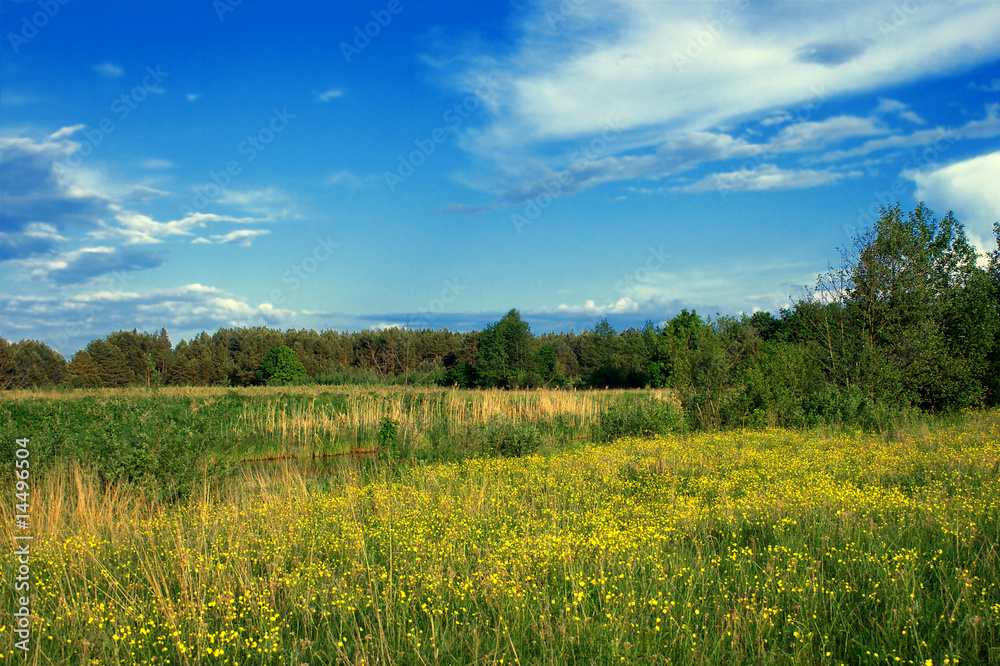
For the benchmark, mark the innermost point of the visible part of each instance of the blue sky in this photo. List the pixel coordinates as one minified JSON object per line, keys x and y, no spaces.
{"x":197,"y":164}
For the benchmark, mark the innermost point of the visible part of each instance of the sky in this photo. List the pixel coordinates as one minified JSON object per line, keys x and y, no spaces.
{"x":198,"y":164}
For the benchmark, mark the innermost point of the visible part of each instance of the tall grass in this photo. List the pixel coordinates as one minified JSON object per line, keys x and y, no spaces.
{"x":252,"y":423}
{"x":770,"y":547}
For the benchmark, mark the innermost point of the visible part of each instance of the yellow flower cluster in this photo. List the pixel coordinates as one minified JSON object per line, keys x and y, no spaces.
{"x":735,"y":547}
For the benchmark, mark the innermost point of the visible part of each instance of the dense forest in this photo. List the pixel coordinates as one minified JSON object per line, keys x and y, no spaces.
{"x":909,"y":321}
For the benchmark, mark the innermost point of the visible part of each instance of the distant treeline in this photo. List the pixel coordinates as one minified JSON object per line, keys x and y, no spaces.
{"x":909,"y":321}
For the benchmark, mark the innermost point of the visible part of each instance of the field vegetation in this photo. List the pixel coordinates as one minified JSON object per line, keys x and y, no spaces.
{"x":164,"y":440}
{"x":768,"y":547}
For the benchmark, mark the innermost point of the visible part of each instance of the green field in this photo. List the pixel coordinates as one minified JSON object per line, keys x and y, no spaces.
{"x":768,"y":546}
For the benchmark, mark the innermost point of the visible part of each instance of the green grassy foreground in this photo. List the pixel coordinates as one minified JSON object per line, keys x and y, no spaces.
{"x":771,"y":547}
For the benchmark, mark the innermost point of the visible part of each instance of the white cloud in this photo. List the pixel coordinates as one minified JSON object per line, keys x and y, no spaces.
{"x":34,"y":192}
{"x":109,"y":70}
{"x":66,"y":132}
{"x":634,"y":61}
{"x":347,"y":179}
{"x":970,"y":189}
{"x":156,"y":163}
{"x":984,"y":128}
{"x":327,"y":95}
{"x":67,"y":322}
{"x":241,"y":237}
{"x":992,"y":86}
{"x":265,"y":202}
{"x":136,"y":228}
{"x":85,"y":265}
{"x":741,"y":287}
{"x":765,"y":177}
{"x":892,"y":106}
{"x":666,"y":71}
{"x":192,"y":97}
{"x":812,"y":135}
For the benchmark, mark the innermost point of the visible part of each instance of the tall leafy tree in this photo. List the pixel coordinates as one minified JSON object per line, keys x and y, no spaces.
{"x":8,"y":368}
{"x":280,"y":366}
{"x":506,"y":358}
{"x":37,"y":365}
{"x":906,"y":316}
{"x":83,"y":372}
{"x":112,"y":368}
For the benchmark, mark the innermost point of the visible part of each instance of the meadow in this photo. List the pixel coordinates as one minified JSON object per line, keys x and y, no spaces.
{"x":770,"y":547}
{"x":163,"y":439}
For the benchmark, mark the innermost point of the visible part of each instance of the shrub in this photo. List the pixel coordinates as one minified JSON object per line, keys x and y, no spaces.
{"x":638,"y":416}
{"x":388,"y":438}
{"x":507,"y":438}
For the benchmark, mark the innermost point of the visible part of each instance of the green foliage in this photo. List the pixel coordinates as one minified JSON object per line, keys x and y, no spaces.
{"x":462,"y":375}
{"x":505,"y":354}
{"x":908,"y":314}
{"x":388,"y":439}
{"x":35,"y":365}
{"x":640,"y":416}
{"x":280,"y":367}
{"x":548,"y":361}
{"x":163,"y":447}
{"x":8,"y":366}
{"x":510,"y":439}
{"x":103,"y":365}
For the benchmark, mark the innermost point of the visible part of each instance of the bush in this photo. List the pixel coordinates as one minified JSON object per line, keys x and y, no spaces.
{"x":854,"y":408}
{"x":638,"y":416}
{"x":507,"y":438}
{"x":389,"y":443}
{"x":161,"y":446}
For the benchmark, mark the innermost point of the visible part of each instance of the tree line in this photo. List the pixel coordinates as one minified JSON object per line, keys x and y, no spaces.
{"x":909,"y":320}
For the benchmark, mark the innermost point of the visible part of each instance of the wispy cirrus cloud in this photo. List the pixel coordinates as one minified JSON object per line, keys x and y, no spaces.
{"x":632,"y":61}
{"x":241,"y":237}
{"x":329,"y":94}
{"x":983,"y":128}
{"x":108,"y":70}
{"x":765,"y":178}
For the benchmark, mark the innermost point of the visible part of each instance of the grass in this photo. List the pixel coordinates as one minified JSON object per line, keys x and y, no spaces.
{"x":767,"y":547}
{"x":155,"y":437}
